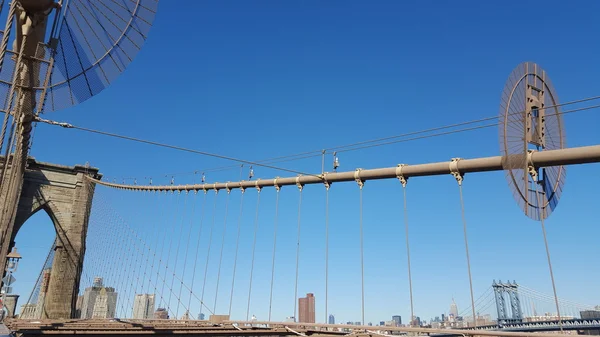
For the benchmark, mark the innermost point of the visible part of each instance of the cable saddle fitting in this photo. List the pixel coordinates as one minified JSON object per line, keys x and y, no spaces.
{"x":454,"y":170}
{"x":277,"y":187}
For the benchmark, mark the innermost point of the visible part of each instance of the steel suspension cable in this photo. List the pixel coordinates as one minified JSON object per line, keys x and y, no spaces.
{"x":253,"y":251}
{"x":167,"y":305}
{"x":237,"y":246}
{"x":210,"y":235}
{"x":187,"y":248}
{"x":326,"y":251}
{"x":541,"y":209}
{"x":300,"y":187}
{"x":197,"y":250}
{"x":222,"y":247}
{"x":459,"y":179}
{"x":362,"y":255}
{"x":177,"y":250}
{"x":278,"y":189}
{"x":161,"y":208}
{"x":162,"y":247}
{"x":410,"y":288}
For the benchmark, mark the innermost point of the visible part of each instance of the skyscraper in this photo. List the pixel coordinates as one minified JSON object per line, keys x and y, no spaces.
{"x":331,"y":319}
{"x":453,"y":309}
{"x":397,"y":320}
{"x":306,"y":308}
{"x":99,"y":301}
{"x":143,"y":306}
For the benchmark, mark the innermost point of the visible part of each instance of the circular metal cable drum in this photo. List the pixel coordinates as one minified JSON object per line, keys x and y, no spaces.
{"x":514,"y":145}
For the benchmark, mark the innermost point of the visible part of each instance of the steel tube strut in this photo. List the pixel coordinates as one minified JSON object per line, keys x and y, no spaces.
{"x":571,"y":156}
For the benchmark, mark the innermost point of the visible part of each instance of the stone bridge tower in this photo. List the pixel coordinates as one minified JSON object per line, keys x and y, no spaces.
{"x":66,"y":196}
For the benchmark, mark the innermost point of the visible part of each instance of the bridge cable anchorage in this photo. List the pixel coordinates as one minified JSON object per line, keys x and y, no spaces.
{"x":278,"y":189}
{"x":300,"y":188}
{"x":202,"y":213}
{"x":187,"y":248}
{"x":459,"y":179}
{"x":535,"y":176}
{"x":210,"y":235}
{"x":403,"y":180}
{"x":258,"y":189}
{"x":237,"y":246}
{"x":327,"y":185}
{"x":222,"y":244}
{"x":361,"y":184}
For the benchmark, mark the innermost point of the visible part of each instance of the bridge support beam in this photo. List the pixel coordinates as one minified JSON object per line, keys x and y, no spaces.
{"x":65,"y":195}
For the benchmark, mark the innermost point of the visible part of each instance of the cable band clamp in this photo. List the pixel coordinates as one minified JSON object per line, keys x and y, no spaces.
{"x":357,"y":178}
{"x":454,"y":170}
{"x":400,"y":176}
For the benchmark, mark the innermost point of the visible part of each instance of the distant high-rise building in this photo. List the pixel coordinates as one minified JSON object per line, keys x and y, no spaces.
{"x":397,"y":319}
{"x":143,"y":306}
{"x":331,"y":319}
{"x":106,"y":303}
{"x":453,"y":309}
{"x":201,"y":316}
{"x":27,"y":311}
{"x":307,"y":308}
{"x":161,"y":313}
{"x":381,"y":323}
{"x":98,"y":301}
{"x":186,"y":316}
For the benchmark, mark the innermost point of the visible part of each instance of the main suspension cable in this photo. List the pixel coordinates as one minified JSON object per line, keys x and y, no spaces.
{"x":341,"y":148}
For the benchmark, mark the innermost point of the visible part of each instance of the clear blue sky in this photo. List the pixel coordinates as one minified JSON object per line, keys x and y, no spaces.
{"x":263,"y":79}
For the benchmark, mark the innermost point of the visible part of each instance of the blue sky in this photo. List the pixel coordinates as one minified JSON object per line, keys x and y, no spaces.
{"x":263,"y":79}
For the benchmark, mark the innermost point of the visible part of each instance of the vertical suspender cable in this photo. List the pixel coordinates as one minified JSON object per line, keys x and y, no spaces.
{"x":539,"y":204}
{"x":167,"y":305}
{"x":187,"y":248}
{"x":297,"y":255}
{"x":253,"y":252}
{"x":362,"y":261}
{"x":208,"y":252}
{"x":177,"y":252}
{"x":222,"y":246}
{"x":237,"y":246}
{"x":462,"y":210}
{"x":274,"y":250}
{"x":326,"y":251}
{"x":403,"y":182}
{"x":197,"y":250}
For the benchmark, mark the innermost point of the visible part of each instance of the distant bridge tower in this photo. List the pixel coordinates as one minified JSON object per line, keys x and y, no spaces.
{"x":509,"y":290}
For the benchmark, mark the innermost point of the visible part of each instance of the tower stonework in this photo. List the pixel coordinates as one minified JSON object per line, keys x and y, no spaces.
{"x":65,"y":194}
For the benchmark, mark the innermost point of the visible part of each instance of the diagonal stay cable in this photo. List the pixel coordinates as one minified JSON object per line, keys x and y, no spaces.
{"x":174,"y":147}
